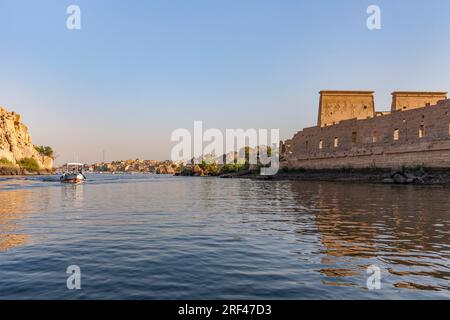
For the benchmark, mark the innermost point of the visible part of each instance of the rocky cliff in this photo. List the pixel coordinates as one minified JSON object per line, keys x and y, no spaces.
{"x":16,"y":143}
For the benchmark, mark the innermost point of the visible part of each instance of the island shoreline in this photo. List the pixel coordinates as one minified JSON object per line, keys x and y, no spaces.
{"x":375,"y":176}
{"x":425,"y":177}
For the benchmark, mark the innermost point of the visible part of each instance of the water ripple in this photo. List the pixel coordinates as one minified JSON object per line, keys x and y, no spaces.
{"x":160,"y":237}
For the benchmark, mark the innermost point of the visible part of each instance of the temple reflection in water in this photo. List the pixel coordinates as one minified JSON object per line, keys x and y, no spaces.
{"x":316,"y":238}
{"x":399,"y":229}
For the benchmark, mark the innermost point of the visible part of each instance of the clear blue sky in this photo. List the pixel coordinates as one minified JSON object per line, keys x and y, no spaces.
{"x":137,"y":70}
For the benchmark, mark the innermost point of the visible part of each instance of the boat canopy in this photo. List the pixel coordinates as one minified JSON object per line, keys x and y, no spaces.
{"x":75,"y":164}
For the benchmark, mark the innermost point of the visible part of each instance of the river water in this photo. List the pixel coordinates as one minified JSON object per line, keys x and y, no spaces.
{"x":163,"y":237}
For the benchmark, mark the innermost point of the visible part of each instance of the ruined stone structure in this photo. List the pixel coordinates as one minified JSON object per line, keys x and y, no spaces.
{"x":410,"y":100}
{"x":336,"y":106}
{"x":418,"y":135}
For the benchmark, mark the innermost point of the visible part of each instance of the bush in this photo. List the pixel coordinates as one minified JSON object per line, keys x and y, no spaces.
{"x":5,"y":162}
{"x":210,"y":168}
{"x":29,"y":164}
{"x":234,"y":167}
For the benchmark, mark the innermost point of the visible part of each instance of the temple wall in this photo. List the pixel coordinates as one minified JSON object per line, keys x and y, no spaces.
{"x":336,"y":106}
{"x":412,"y":100}
{"x":416,"y":137}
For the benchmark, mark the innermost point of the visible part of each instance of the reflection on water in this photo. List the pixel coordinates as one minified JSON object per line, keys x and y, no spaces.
{"x":168,"y":237}
{"x":14,"y":206}
{"x":72,"y":195}
{"x":405,"y":229}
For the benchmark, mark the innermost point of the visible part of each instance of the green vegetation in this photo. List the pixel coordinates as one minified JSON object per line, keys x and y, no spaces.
{"x":210,"y":168}
{"x":45,"y":151}
{"x":29,"y":164}
{"x":5,"y":162}
{"x":240,"y":165}
{"x":7,"y":167}
{"x":235,"y":167}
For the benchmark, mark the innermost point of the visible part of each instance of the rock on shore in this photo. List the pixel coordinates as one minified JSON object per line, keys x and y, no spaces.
{"x":414,"y":177}
{"x":16,"y":143}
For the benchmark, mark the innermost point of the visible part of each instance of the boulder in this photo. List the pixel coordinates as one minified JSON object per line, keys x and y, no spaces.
{"x":165,"y":169}
{"x":197,"y":171}
{"x":399,"y":178}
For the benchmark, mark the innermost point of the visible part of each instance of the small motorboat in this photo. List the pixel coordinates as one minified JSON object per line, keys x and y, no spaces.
{"x":73,"y":173}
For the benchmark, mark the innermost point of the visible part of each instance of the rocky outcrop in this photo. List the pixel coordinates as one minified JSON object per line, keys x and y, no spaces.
{"x":165,"y":169}
{"x":16,"y":143}
{"x":414,"y":177}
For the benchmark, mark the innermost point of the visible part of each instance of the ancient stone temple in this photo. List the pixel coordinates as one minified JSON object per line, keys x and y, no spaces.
{"x":351,"y":134}
{"x":411,"y":100}
{"x":336,"y":106}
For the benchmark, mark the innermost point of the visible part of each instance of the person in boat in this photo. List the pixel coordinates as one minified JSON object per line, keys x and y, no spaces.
{"x":80,"y":171}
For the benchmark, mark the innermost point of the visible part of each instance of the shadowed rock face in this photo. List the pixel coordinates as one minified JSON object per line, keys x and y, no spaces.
{"x":16,"y":143}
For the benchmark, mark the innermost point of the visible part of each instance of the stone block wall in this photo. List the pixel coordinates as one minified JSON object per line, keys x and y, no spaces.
{"x":336,"y":106}
{"x":416,"y":137}
{"x":411,"y":100}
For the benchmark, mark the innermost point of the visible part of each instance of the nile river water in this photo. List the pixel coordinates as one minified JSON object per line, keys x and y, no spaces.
{"x":163,"y":237}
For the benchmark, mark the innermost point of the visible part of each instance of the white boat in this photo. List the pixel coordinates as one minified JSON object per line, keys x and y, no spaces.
{"x":73,"y":173}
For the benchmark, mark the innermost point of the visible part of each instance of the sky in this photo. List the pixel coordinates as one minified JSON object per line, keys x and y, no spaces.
{"x":137,"y":70}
